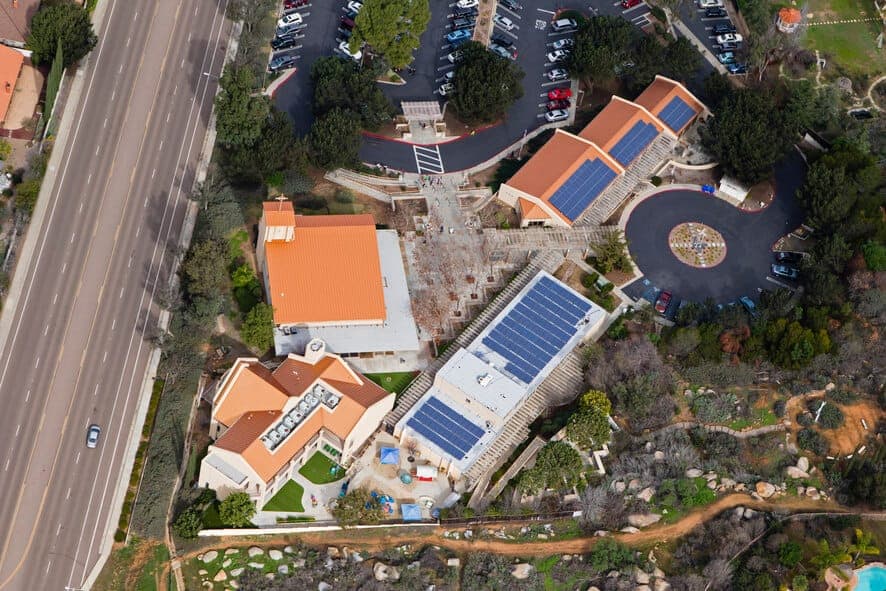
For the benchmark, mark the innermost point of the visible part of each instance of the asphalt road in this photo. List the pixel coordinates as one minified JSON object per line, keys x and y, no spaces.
{"x":75,"y":352}
{"x":749,"y":238}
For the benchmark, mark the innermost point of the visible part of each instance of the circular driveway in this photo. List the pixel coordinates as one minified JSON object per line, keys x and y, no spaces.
{"x":749,"y":238}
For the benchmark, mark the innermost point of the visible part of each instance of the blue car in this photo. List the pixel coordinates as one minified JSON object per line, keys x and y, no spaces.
{"x":727,"y":57}
{"x":749,"y":305}
{"x":458,"y":36}
{"x":737,"y":68}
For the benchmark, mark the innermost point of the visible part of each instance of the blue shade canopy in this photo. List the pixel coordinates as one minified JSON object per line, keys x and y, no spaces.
{"x":411,"y":512}
{"x":633,"y":142}
{"x":445,"y":427}
{"x":535,"y":330}
{"x":389,"y":455}
{"x":676,"y":114}
{"x":580,"y":189}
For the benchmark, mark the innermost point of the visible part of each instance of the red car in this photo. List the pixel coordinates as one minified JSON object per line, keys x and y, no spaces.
{"x":661,"y":304}
{"x":289,"y":4}
{"x":630,"y":3}
{"x":559,"y":93}
{"x":560,"y":104}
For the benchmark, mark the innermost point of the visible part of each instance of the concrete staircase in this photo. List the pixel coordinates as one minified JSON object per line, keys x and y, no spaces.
{"x":562,"y":385}
{"x":559,"y":239}
{"x":546,"y":261}
{"x":612,"y":198}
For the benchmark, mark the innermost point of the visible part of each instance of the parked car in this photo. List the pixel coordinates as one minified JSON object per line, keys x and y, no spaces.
{"x":92,"y":435}
{"x":727,"y":57}
{"x":497,"y":49}
{"x":511,"y":4}
{"x":557,"y":74}
{"x":564,"y":24}
{"x":729,"y":38}
{"x":630,"y":3}
{"x":449,"y":76}
{"x":290,"y":19}
{"x":279,"y":63}
{"x":355,"y":6}
{"x":446,"y":89}
{"x":456,"y":36}
{"x":661,"y":304}
{"x":457,"y":12}
{"x":455,"y":57}
{"x":789,"y":258}
{"x":558,"y":115}
{"x":557,"y":56}
{"x":737,"y":68}
{"x":503,"y":22}
{"x":557,"y":104}
{"x":559,"y":93}
{"x":463,"y":23}
{"x":287,"y":4}
{"x":749,"y":305}
{"x":343,"y":34}
{"x":345,"y":49}
{"x":566,"y":43}
{"x":710,"y":3}
{"x":730,"y":46}
{"x":785,"y":271}
{"x":723,"y":28}
{"x":284,"y":42}
{"x":715,"y":12}
{"x":467,"y":3}
{"x":289,"y":30}
{"x":347,"y":23}
{"x":502,"y":40}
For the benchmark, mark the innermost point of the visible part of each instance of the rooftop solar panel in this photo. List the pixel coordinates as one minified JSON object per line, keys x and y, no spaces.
{"x":580,"y":189}
{"x":676,"y":114}
{"x":447,"y":429}
{"x":537,"y":328}
{"x":633,"y":142}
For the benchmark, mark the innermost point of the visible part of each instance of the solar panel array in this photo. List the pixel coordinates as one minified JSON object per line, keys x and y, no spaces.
{"x":633,"y":142}
{"x":676,"y":114}
{"x":537,"y":328}
{"x":580,"y":189}
{"x":446,"y":428}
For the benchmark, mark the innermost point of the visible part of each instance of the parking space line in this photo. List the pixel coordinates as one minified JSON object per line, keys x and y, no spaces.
{"x":551,"y":12}
{"x":509,"y":11}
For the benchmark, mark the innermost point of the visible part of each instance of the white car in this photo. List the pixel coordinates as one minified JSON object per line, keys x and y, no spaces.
{"x":289,"y":20}
{"x":503,"y":22}
{"x":557,"y":115}
{"x":729,"y":38}
{"x":355,"y":6}
{"x":467,"y":3}
{"x":343,"y":47}
{"x":563,"y":43}
{"x":557,"y":74}
{"x":558,"y":56}
{"x":446,"y":88}
{"x":710,"y":3}
{"x":454,"y":57}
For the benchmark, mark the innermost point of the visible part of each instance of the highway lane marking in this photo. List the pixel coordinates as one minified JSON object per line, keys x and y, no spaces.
{"x":18,"y":429}
{"x":95,"y":392}
{"x":545,"y":11}
{"x":153,"y":172}
{"x":168,"y":115}
{"x":97,"y":148}
{"x":146,"y":202}
{"x":134,"y":18}
{"x":54,"y":299}
{"x":7,"y":464}
{"x":189,"y":37}
{"x":104,"y":357}
{"x":48,"y":566}
{"x":58,"y":529}
{"x":120,"y":69}
{"x":196,"y":8}
{"x":128,"y":39}
{"x":28,"y":396}
{"x":46,"y":330}
{"x":89,"y":179}
{"x":37,"y":364}
{"x":80,"y":210}
{"x":182,"y":64}
{"x":161,"y":146}
{"x":138,"y":230}
{"x":113,"y":324}
{"x":68,"y":494}
{"x":64,"y":267}
{"x":72,"y":237}
{"x":122,"y":289}
{"x":114,"y":94}
{"x":129,"y":264}
{"x":106,"y":122}
{"x":175,"y":90}
{"x":162,"y":252}
{"x":77,"y":461}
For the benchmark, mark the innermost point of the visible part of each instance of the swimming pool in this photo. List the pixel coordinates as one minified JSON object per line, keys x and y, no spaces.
{"x":871,"y":578}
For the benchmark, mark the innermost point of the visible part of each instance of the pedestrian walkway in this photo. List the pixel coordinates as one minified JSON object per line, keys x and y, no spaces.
{"x":428,"y":159}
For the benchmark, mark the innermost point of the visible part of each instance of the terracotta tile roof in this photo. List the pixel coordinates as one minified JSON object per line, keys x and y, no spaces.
{"x":329,"y":273}
{"x":531,"y":211}
{"x":615,"y":120}
{"x":14,"y":19}
{"x":658,"y":94}
{"x":790,"y":16}
{"x":278,"y":213}
{"x":291,"y":380}
{"x":250,"y":387}
{"x":10,"y":66}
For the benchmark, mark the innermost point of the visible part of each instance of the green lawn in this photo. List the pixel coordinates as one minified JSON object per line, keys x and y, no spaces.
{"x":761,"y":417}
{"x":288,"y":498}
{"x":853,"y":46}
{"x":211,"y":519}
{"x":393,"y":382}
{"x":318,"y":469}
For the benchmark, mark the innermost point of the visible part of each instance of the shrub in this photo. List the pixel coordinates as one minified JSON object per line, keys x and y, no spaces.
{"x":189,"y":523}
{"x":778,"y":407}
{"x":842,"y":396}
{"x":296,"y":183}
{"x":237,"y":509}
{"x":26,"y":195}
{"x":714,"y":408}
{"x":831,"y":417}
{"x":656,"y":180}
{"x":344,"y":196}
{"x":800,"y":583}
{"x":609,"y":554}
{"x":812,"y":441}
{"x":789,"y":554}
{"x":874,"y":255}
{"x":805,"y":419}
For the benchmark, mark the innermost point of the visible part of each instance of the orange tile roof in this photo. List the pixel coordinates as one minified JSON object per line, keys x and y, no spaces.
{"x":264,"y":393}
{"x":615,"y":120}
{"x":10,"y":67}
{"x":790,"y":16}
{"x":292,"y":379}
{"x":278,"y":213}
{"x":329,"y":273}
{"x":530,"y":210}
{"x":658,"y":94}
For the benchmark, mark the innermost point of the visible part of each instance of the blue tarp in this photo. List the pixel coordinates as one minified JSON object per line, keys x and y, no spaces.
{"x":411,"y":512}
{"x":389,"y":455}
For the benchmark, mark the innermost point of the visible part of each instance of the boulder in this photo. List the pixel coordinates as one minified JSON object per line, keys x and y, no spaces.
{"x":236,"y":572}
{"x":234,"y":584}
{"x":566,"y":558}
{"x":275,"y":555}
{"x":618,"y":486}
{"x":643,"y":520}
{"x":646,"y":494}
{"x":749,"y":513}
{"x":710,"y":476}
{"x":740,"y":487}
{"x":830,"y":387}
{"x":634,"y":484}
{"x":542,"y":536}
{"x":659,"y":456}
{"x":796,"y":473}
{"x":283,"y":569}
{"x":727,"y":482}
{"x":811,"y":491}
{"x":642,"y":588}
{"x":601,"y":533}
{"x":469,"y":534}
{"x":257,"y":565}
{"x":803,"y":463}
{"x":324,"y":586}
{"x":333,"y":552}
{"x":202,"y":572}
{"x":226,"y":563}
{"x":658,"y":573}
{"x":357,"y":557}
{"x":661,"y":585}
{"x":230,"y":551}
{"x":209,"y":556}
{"x":801,"y":490}
{"x":641,"y":577}
{"x":383,"y":572}
{"x":298,"y":563}
{"x":521,"y":571}
{"x":712,"y":484}
{"x":738,"y":512}
{"x":629,"y":530}
{"x":454,"y":563}
{"x":289,"y":550}
{"x":255,"y":551}
{"x":765,"y":489}
{"x":693,"y":473}
{"x":220,"y":576}
{"x":413,"y":565}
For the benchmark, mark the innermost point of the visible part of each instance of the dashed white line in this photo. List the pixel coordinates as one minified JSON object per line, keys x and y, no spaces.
{"x":129,"y":264}
{"x":46,"y":330}
{"x":183,"y":63}
{"x":81,"y":208}
{"x":55,"y":299}
{"x":58,"y":529}
{"x":120,"y":69}
{"x":168,"y":115}
{"x":95,"y":391}
{"x":68,"y":494}
{"x":73,"y":236}
{"x":37,"y":363}
{"x":49,"y":564}
{"x":175,"y":90}
{"x":7,"y":464}
{"x":105,"y":123}
{"x":146,"y":202}
{"x":77,"y":459}
{"x":128,"y":41}
{"x":160,"y":149}
{"x":113,"y":94}
{"x":195,"y":10}
{"x":545,"y":11}
{"x":189,"y":37}
{"x":97,"y":148}
{"x":138,"y":231}
{"x":105,"y":357}
{"x":89,"y":178}
{"x":28,"y":396}
{"x":153,"y":172}
{"x":18,"y":429}
{"x":114,"y":324}
{"x":121,"y":292}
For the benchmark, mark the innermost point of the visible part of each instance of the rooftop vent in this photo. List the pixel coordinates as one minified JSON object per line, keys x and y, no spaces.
{"x":484,"y":380}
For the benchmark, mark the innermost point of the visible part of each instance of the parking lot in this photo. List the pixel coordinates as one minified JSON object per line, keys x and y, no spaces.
{"x":703,"y":27}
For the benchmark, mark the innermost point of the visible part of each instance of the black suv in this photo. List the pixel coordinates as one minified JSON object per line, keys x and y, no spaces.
{"x":723,"y":29}
{"x":284,"y":42}
{"x":715,"y":12}
{"x":463,"y":23}
{"x":505,"y":42}
{"x":462,"y":12}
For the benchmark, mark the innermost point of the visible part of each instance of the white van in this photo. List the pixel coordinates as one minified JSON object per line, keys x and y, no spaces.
{"x":564,"y":24}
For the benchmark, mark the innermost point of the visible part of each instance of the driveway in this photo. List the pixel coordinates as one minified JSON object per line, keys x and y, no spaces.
{"x":749,"y":238}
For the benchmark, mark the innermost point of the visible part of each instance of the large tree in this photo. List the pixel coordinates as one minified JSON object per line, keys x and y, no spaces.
{"x":601,"y":45}
{"x":342,"y":84}
{"x":205,"y":270}
{"x":557,"y":466}
{"x":240,"y":113}
{"x":486,"y":85}
{"x":391,"y":28}
{"x":67,"y":23}
{"x":588,"y":427}
{"x":237,"y":509}
{"x":258,"y":327}
{"x":335,"y":139}
{"x":747,"y":134}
